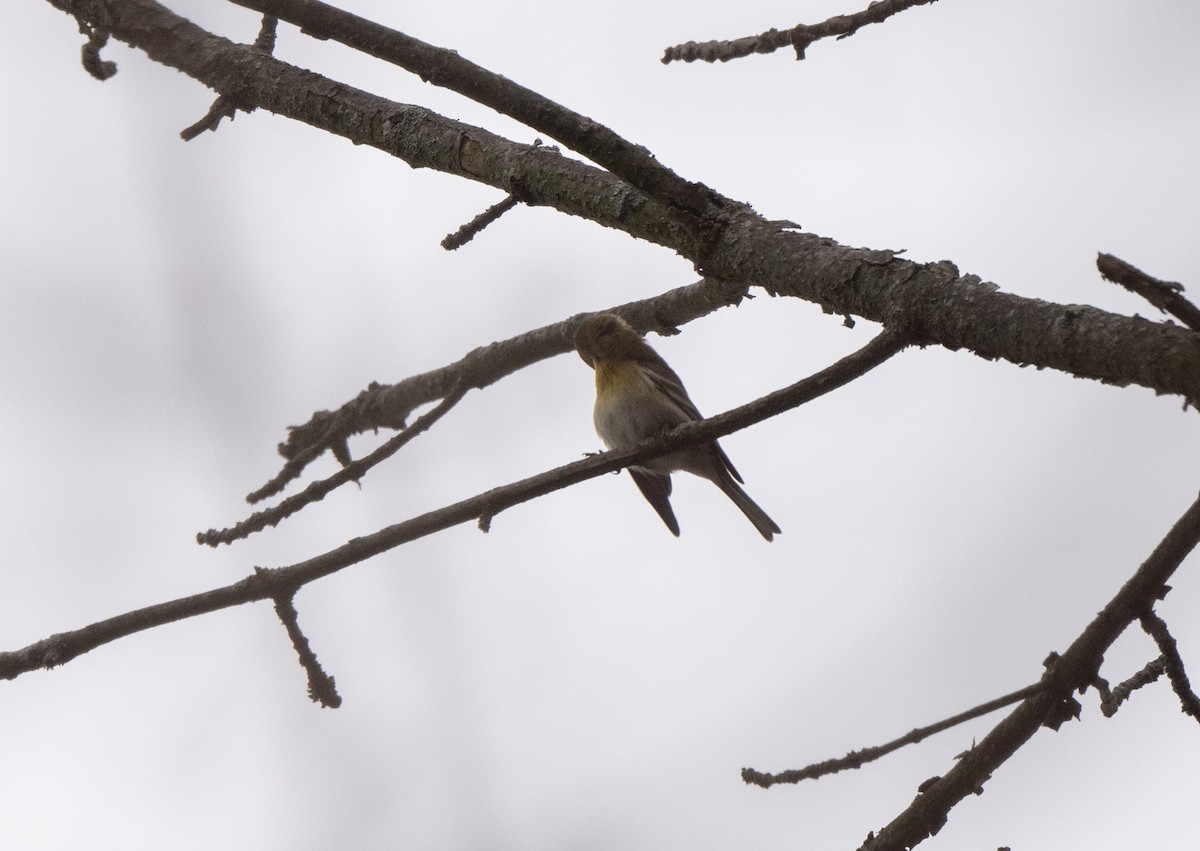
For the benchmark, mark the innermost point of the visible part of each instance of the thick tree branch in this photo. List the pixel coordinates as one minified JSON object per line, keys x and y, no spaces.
{"x":280,"y":583}
{"x":798,"y":37}
{"x":1074,"y":670}
{"x":632,"y":163}
{"x":223,"y":107}
{"x":930,"y":301}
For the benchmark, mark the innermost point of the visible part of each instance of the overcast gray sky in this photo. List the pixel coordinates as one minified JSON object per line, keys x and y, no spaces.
{"x":578,"y":678}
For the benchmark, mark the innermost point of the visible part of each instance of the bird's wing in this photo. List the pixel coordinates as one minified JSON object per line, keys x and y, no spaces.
{"x":667,"y":381}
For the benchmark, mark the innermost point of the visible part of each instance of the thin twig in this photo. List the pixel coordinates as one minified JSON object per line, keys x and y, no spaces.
{"x":856,"y":759}
{"x":1157,"y":629}
{"x":101,"y":69}
{"x":224,"y":105}
{"x":265,"y":40}
{"x":1167,"y":296}
{"x":351,"y":472}
{"x":221,"y":108}
{"x":321,"y":687}
{"x":798,"y":37}
{"x":265,"y":584}
{"x":471,"y":229}
{"x":1110,"y":701}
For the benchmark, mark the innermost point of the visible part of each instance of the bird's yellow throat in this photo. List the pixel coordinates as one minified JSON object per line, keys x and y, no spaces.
{"x":613,"y":375}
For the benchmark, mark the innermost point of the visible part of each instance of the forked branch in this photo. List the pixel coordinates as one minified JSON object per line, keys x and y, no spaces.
{"x":351,"y":472}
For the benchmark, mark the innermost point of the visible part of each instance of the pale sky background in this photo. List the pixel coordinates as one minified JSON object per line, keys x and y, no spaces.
{"x":578,"y":678}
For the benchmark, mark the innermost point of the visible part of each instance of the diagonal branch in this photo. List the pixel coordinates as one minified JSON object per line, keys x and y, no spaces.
{"x":1157,"y":629}
{"x":1111,"y":699}
{"x":321,"y":687}
{"x":1075,"y":670}
{"x":315,"y":491}
{"x":859,"y":758}
{"x":280,"y":582}
{"x":466,"y":233}
{"x":799,"y":36}
{"x":1167,"y":296}
{"x":441,"y":67}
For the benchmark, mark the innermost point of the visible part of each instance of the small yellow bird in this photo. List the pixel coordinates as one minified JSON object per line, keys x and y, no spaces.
{"x":638,"y":396}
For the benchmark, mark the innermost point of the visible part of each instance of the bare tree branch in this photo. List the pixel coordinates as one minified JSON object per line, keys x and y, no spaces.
{"x":1157,"y":629}
{"x":799,"y":36}
{"x":321,"y":687}
{"x":281,"y":582}
{"x":1110,"y":701}
{"x":1167,"y":296}
{"x":351,"y":472}
{"x":1075,"y":670}
{"x":471,"y":229}
{"x":90,"y":53}
{"x":632,"y":163}
{"x":857,"y":759}
{"x":223,"y":106}
{"x":221,"y":109}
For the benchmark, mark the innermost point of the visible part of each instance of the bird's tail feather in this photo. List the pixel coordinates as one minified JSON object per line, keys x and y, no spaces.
{"x":766,"y":527}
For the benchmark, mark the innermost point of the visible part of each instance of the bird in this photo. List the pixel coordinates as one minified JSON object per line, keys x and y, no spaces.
{"x":638,"y":396}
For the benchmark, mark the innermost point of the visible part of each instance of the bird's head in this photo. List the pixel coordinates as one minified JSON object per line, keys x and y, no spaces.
{"x":606,"y":336}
